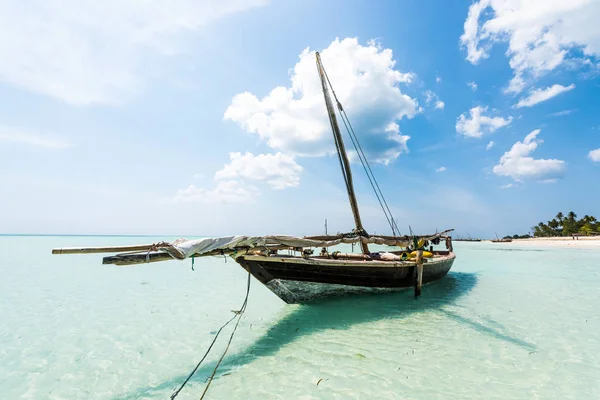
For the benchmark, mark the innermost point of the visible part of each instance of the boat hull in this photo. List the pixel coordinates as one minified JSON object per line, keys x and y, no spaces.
{"x":299,"y":280}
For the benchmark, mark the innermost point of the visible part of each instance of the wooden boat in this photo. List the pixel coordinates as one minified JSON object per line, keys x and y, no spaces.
{"x":297,"y":280}
{"x":468,"y":238}
{"x":499,"y":240}
{"x":286,"y":264}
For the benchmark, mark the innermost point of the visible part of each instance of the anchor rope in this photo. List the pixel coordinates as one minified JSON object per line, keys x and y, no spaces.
{"x":238,"y":315}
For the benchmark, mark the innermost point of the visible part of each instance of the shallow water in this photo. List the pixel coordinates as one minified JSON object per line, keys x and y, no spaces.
{"x":503,"y":324}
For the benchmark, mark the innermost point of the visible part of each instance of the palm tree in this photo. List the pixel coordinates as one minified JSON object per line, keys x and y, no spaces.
{"x":560,"y":217}
{"x":570,"y":225}
{"x":586,"y":230}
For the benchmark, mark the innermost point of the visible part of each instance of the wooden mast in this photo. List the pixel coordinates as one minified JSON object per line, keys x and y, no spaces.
{"x":343,"y":158}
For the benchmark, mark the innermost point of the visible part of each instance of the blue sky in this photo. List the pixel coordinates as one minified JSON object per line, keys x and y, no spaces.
{"x":131,"y":118}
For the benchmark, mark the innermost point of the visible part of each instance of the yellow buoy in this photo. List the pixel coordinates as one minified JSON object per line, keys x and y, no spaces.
{"x":426,"y":254}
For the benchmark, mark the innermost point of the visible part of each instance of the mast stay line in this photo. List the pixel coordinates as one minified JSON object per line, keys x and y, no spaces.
{"x":363,"y":159}
{"x":341,"y":150}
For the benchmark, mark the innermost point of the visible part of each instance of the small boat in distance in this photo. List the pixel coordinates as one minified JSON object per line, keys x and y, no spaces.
{"x":503,"y":240}
{"x":466,"y":239}
{"x":288,"y":266}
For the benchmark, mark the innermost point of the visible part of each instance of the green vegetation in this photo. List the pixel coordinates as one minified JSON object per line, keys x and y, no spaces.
{"x":526,"y":236}
{"x":567,"y":226}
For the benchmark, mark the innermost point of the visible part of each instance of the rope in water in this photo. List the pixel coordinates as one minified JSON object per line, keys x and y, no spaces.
{"x":238,"y":314}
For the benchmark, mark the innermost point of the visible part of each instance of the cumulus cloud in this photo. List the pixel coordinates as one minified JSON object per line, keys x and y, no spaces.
{"x":278,"y":170}
{"x":294,"y":120}
{"x":541,"y":34}
{"x":432,"y":98}
{"x":472,"y":85}
{"x":536,"y":96}
{"x":225,"y":192}
{"x":518,"y":164}
{"x":86,"y":51}
{"x":477,"y":123}
{"x":490,"y":145}
{"x":16,"y":136}
{"x":441,"y":169}
{"x":594,"y":155}
{"x":438,"y":79}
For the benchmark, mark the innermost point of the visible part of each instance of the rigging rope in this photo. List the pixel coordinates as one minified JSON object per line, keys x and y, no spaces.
{"x":366,"y":166}
{"x":238,"y":314}
{"x":370,"y":180}
{"x":365,"y":163}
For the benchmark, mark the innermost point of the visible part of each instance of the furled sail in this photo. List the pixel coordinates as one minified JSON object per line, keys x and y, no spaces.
{"x":183,"y":248}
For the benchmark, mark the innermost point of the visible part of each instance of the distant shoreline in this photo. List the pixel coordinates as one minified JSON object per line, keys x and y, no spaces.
{"x":583,"y":242}
{"x":558,"y":238}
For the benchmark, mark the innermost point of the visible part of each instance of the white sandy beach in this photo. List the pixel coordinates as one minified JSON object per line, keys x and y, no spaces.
{"x":586,"y":242}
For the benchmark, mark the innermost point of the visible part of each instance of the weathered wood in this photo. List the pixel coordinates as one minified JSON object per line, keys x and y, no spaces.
{"x":419,"y":273}
{"x":345,"y":164}
{"x":350,"y":256}
{"x":109,"y":249}
{"x":141,"y":258}
{"x":350,"y":272}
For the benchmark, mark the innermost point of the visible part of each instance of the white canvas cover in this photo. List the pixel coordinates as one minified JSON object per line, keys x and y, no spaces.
{"x":183,"y":248}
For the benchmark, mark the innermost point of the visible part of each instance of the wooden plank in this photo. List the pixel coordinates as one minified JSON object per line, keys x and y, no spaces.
{"x":143,"y":258}
{"x":132,"y":259}
{"x":419,"y":275}
{"x":110,"y":249}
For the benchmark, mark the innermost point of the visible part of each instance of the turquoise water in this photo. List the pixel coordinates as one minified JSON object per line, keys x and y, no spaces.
{"x":504,"y":324}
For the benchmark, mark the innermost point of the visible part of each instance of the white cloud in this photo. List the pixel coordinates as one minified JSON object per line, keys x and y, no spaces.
{"x":594,"y":155}
{"x":431,"y":97}
{"x":536,"y":96}
{"x":478,"y":123}
{"x":507,"y":186}
{"x":561,"y":113}
{"x":519,"y":165}
{"x":294,"y":119}
{"x":278,"y":170}
{"x":490,"y":145}
{"x":441,"y":169}
{"x":226,"y":192}
{"x":86,"y":51}
{"x":16,"y":136}
{"x":472,"y":85}
{"x":473,"y":34}
{"x":541,"y":34}
{"x":438,"y":79}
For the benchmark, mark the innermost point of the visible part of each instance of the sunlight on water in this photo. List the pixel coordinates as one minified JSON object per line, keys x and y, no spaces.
{"x":502,"y":325}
